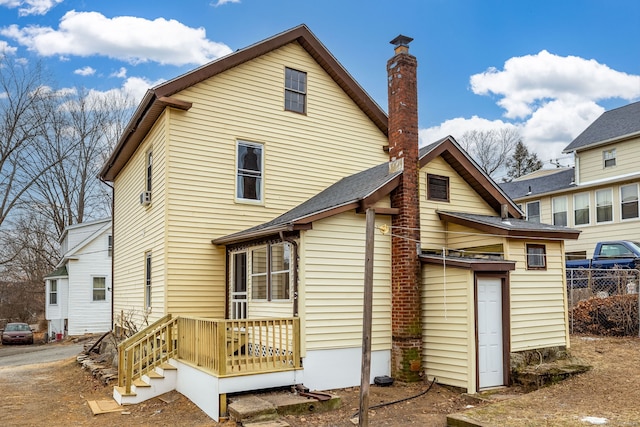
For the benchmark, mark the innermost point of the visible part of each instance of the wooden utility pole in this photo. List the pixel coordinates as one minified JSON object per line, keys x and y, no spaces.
{"x":363,"y":417}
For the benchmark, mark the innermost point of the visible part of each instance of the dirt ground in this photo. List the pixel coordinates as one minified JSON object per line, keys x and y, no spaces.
{"x":56,"y":394}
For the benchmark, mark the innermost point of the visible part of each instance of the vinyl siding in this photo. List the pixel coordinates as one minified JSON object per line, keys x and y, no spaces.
{"x":303,"y":154}
{"x":462,"y":199}
{"x":618,"y":229}
{"x":86,"y":315}
{"x":591,"y":162}
{"x":448,"y":325}
{"x":537,"y":298}
{"x":138,"y":229}
{"x":332,"y":283}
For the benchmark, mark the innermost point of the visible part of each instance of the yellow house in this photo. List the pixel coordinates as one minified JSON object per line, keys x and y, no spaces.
{"x":239,"y":194}
{"x":599,"y":196}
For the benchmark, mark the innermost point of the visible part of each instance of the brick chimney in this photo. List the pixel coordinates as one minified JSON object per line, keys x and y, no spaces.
{"x":406,"y":324}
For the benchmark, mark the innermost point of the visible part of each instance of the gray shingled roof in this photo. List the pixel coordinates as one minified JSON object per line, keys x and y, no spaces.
{"x":346,"y":191}
{"x":560,"y":180}
{"x":511,"y":224}
{"x":611,"y":124}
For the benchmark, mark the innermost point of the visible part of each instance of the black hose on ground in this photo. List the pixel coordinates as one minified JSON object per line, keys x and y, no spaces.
{"x":380,"y":405}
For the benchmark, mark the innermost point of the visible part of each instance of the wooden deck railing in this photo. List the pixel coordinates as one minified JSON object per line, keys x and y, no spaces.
{"x":220,"y":347}
{"x":145,"y":350}
{"x":237,"y":347}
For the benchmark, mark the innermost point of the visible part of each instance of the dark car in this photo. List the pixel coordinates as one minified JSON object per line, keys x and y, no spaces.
{"x":17,"y":333}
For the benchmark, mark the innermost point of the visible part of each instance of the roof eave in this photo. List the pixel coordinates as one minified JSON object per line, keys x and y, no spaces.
{"x":597,"y":144}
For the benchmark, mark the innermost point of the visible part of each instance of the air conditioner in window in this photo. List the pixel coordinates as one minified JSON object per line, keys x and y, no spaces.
{"x":145,"y":198}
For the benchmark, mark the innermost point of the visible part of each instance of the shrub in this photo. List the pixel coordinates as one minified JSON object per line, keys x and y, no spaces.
{"x":616,"y":315}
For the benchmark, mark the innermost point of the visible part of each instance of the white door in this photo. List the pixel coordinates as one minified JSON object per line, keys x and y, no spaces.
{"x":490,"y":351}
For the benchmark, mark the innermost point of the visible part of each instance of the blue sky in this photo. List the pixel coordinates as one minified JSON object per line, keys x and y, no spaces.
{"x":548,"y":68}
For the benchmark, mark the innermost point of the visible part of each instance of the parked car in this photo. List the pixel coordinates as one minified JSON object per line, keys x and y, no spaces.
{"x":612,"y":254}
{"x":17,"y":333}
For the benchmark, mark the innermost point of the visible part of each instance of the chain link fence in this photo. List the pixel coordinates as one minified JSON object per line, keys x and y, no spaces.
{"x":603,"y":301}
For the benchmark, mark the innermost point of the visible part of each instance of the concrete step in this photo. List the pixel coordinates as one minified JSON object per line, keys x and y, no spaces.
{"x":255,"y":409}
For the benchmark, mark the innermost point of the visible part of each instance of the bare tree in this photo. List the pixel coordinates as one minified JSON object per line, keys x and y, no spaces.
{"x":78,"y":141}
{"x":24,"y":106}
{"x":490,"y":148}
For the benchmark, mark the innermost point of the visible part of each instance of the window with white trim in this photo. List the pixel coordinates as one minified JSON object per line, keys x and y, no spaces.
{"x":629,"y":201}
{"x":99,"y":288}
{"x":609,"y":158}
{"x":581,"y":209}
{"x":533,"y":211}
{"x":604,"y":205}
{"x":249,"y":182}
{"x":147,"y":280}
{"x":295,"y":90}
{"x":271,"y":272}
{"x":110,"y":246}
{"x":559,"y":209}
{"x":53,"y":292}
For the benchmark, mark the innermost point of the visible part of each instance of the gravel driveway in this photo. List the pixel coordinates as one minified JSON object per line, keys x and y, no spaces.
{"x":18,"y":355}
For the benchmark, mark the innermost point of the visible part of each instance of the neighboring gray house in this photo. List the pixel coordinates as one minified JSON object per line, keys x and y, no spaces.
{"x":600,"y":195}
{"x":78,"y":292}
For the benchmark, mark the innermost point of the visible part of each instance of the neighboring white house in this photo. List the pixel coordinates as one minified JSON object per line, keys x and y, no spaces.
{"x":78,"y":292}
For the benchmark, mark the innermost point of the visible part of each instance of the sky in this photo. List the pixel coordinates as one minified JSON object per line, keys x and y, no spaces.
{"x":546,"y":67}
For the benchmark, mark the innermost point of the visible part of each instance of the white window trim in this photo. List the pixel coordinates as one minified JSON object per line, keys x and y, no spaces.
{"x":573,"y":210}
{"x":51,"y":292}
{"x":259,"y":201}
{"x":614,"y":158}
{"x":637,"y":194}
{"x":100,"y":301}
{"x":553,"y":209}
{"x":539,"y":210}
{"x":268,"y":274}
{"x":612,"y":205}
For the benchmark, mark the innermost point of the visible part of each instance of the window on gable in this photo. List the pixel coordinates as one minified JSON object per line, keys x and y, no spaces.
{"x":559,"y":207}
{"x":581,"y":209}
{"x":533,"y":211}
{"x":271,"y":272}
{"x":437,"y":188}
{"x":604,"y":205}
{"x":609,"y":158}
{"x":629,"y":201}
{"x":249,"y":183}
{"x":536,"y":257}
{"x":147,"y":280}
{"x":53,"y":292}
{"x":99,"y":289}
{"x":295,"y":90}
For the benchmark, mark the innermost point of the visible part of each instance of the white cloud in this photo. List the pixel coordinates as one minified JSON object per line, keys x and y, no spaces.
{"x":31,"y":7}
{"x":85,"y":71}
{"x":529,"y":80}
{"x":121,"y":73}
{"x":457,"y":127}
{"x":223,"y":2}
{"x":6,"y":49}
{"x":126,"y":38}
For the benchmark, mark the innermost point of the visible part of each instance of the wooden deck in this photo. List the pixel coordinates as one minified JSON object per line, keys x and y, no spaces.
{"x":220,"y":347}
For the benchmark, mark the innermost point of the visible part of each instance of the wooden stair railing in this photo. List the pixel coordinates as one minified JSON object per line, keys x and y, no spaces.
{"x":148,"y":348}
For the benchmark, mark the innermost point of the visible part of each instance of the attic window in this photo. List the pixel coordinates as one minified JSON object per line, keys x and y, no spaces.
{"x":437,"y":188}
{"x":295,"y":90}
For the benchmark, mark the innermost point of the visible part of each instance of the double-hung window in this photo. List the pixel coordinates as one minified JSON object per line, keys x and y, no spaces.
{"x":536,"y":257}
{"x":249,"y":173}
{"x":99,"y":289}
{"x":533,"y":211}
{"x":609,"y":158}
{"x":559,"y":207}
{"x":629,"y":201}
{"x":295,"y":90}
{"x":271,"y":272}
{"x":53,"y":292}
{"x":581,"y":209}
{"x":147,"y":280}
{"x":604,"y":205}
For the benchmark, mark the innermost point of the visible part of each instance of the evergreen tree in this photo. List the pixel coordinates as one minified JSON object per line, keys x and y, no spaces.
{"x":521,"y":162}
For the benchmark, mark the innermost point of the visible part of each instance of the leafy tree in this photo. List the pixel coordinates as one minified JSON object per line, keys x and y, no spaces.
{"x":521,"y":162}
